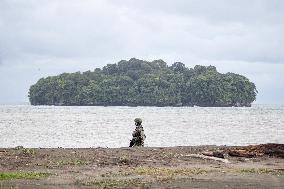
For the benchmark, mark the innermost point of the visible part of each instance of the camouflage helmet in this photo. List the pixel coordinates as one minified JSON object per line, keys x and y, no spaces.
{"x":138,"y":120}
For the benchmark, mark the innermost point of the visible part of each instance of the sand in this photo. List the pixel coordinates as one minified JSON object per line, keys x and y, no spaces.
{"x":146,"y":167}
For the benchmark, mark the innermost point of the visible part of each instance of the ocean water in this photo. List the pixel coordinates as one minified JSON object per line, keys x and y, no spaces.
{"x":81,"y":126}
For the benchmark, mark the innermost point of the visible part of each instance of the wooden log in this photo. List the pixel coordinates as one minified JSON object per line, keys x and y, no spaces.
{"x":207,"y":157}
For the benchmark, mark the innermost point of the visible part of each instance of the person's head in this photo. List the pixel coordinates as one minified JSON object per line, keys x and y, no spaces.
{"x":138,"y":121}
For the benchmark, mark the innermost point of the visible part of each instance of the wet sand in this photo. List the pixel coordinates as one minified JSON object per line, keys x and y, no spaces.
{"x":149,"y":167}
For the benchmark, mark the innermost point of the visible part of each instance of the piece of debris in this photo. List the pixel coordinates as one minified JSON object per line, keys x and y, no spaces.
{"x":218,"y":154}
{"x":207,"y":157}
{"x":243,"y":153}
{"x":276,"y":150}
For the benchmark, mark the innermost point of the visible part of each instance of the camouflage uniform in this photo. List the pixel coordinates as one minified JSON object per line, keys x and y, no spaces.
{"x":138,"y":135}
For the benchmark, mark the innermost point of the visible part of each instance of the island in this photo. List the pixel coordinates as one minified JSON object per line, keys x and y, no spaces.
{"x":145,"y":83}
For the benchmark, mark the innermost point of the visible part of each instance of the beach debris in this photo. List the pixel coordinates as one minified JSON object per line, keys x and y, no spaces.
{"x":243,"y":153}
{"x":251,"y":151}
{"x":207,"y":157}
{"x":218,"y":154}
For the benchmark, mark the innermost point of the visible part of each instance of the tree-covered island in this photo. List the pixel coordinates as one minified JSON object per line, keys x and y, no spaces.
{"x":142,"y":83}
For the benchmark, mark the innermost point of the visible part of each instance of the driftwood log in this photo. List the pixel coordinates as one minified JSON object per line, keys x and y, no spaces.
{"x":276,"y":150}
{"x":207,"y":158}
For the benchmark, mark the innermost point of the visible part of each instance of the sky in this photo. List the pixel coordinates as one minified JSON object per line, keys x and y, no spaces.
{"x":39,"y":38}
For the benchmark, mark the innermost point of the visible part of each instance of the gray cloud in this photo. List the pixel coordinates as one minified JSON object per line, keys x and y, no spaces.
{"x":51,"y":36}
{"x":217,"y":11}
{"x":211,"y":29}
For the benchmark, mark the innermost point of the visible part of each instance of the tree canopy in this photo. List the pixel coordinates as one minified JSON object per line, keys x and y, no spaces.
{"x":143,"y":83}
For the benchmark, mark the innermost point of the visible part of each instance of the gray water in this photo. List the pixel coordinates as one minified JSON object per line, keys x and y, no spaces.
{"x":51,"y":126}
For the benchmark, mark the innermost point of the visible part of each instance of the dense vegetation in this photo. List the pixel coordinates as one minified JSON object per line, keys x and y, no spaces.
{"x":136,"y":82}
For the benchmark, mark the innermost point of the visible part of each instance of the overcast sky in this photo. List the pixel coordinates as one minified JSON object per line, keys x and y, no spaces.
{"x":39,"y":38}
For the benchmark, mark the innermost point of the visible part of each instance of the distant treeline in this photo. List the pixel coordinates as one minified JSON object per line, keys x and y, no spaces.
{"x":142,"y":83}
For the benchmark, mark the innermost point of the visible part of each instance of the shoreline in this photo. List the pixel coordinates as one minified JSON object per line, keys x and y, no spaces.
{"x":209,"y":146}
{"x":144,"y":167}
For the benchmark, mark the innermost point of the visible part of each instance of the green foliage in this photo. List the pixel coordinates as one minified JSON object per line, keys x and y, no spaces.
{"x":28,"y":152}
{"x":20,"y":150}
{"x":154,"y":171}
{"x":22,"y":175}
{"x":142,"y":83}
{"x":71,"y":162}
{"x":261,"y":171}
{"x":115,"y":183}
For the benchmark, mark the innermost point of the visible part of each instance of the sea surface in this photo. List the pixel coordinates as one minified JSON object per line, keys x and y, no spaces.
{"x":81,"y":126}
